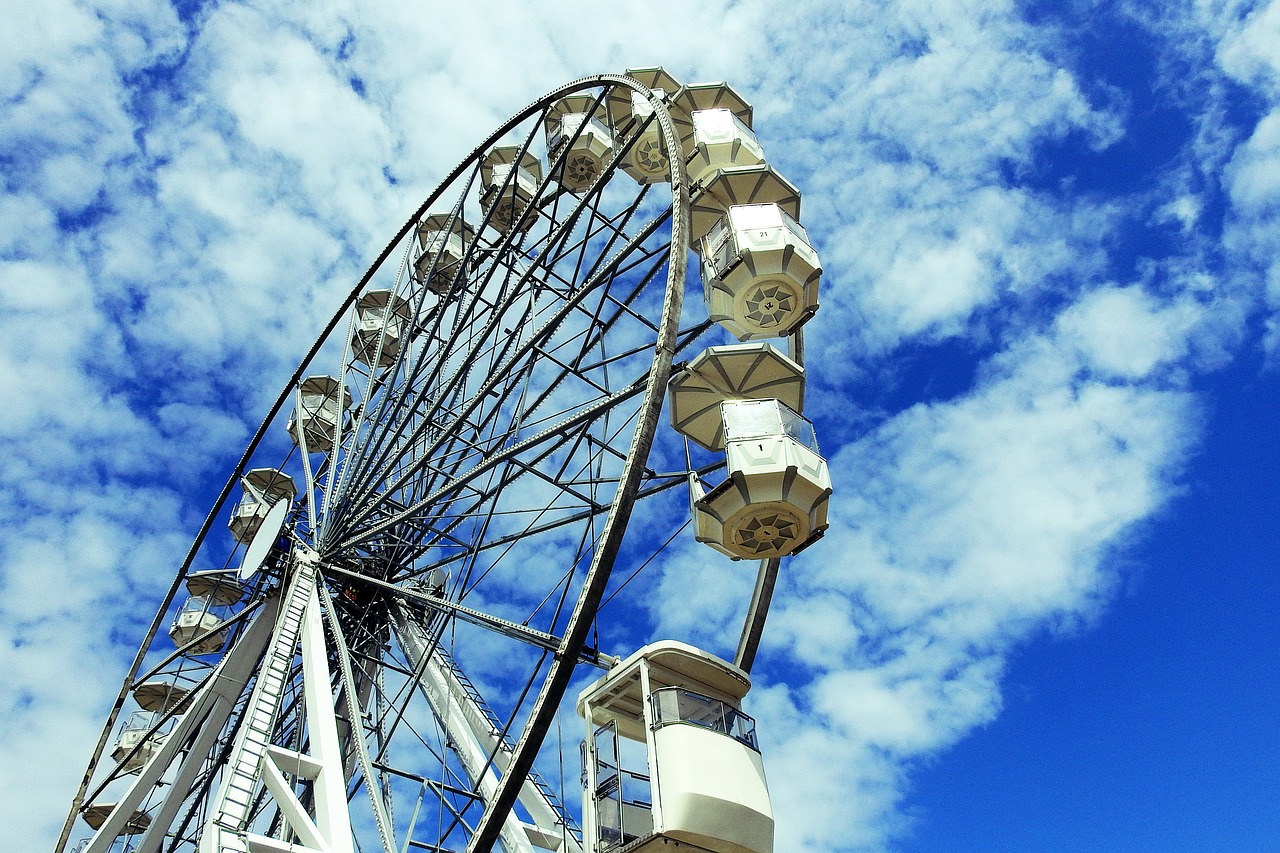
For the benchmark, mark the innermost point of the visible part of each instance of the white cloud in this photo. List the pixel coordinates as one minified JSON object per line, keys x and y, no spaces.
{"x":1249,"y":45}
{"x":1254,"y":185}
{"x":701,"y":596}
{"x":957,"y":530}
{"x":1254,"y":224}
{"x":1184,"y":210}
{"x":1240,"y":40}
{"x":1126,"y":333}
{"x":905,"y":132}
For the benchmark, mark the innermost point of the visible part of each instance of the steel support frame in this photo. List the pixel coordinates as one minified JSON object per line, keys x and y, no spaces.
{"x":482,"y":751}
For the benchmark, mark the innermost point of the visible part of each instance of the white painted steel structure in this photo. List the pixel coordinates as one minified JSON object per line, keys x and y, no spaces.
{"x":376,"y":650}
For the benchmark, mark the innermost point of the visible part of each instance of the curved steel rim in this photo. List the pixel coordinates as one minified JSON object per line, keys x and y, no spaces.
{"x":565,"y":659}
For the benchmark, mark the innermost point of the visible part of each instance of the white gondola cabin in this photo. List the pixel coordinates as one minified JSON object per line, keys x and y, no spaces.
{"x":159,"y":695}
{"x":745,"y":400}
{"x":322,"y":403}
{"x":735,"y":185}
{"x":759,"y":272}
{"x":196,"y":627}
{"x":577,"y":129}
{"x":383,"y":322}
{"x":220,"y":585}
{"x":670,"y":759}
{"x":751,"y":371}
{"x":774,"y":500}
{"x":96,"y":815}
{"x":444,"y":241}
{"x":133,"y":747}
{"x":631,"y":114}
{"x":263,"y":487}
{"x":714,"y":123}
{"x":509,"y":181}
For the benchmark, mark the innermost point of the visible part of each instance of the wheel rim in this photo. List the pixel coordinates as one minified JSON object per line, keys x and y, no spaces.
{"x":516,"y":418}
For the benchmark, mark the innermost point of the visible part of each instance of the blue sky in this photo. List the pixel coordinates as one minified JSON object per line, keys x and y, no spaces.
{"x":1149,"y":729}
{"x":1044,"y":372}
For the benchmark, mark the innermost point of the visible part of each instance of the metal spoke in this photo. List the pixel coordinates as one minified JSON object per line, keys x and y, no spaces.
{"x":456,"y":524}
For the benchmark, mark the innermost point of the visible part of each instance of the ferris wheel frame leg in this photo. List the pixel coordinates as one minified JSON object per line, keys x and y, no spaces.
{"x":757,"y":612}
{"x":477,"y":746}
{"x":254,"y":759}
{"x":208,"y":713}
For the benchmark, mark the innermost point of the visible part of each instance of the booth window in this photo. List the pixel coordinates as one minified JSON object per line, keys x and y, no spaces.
{"x":677,"y":705}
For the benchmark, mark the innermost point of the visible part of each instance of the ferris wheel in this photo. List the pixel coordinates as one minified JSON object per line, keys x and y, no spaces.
{"x":449,"y":518}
